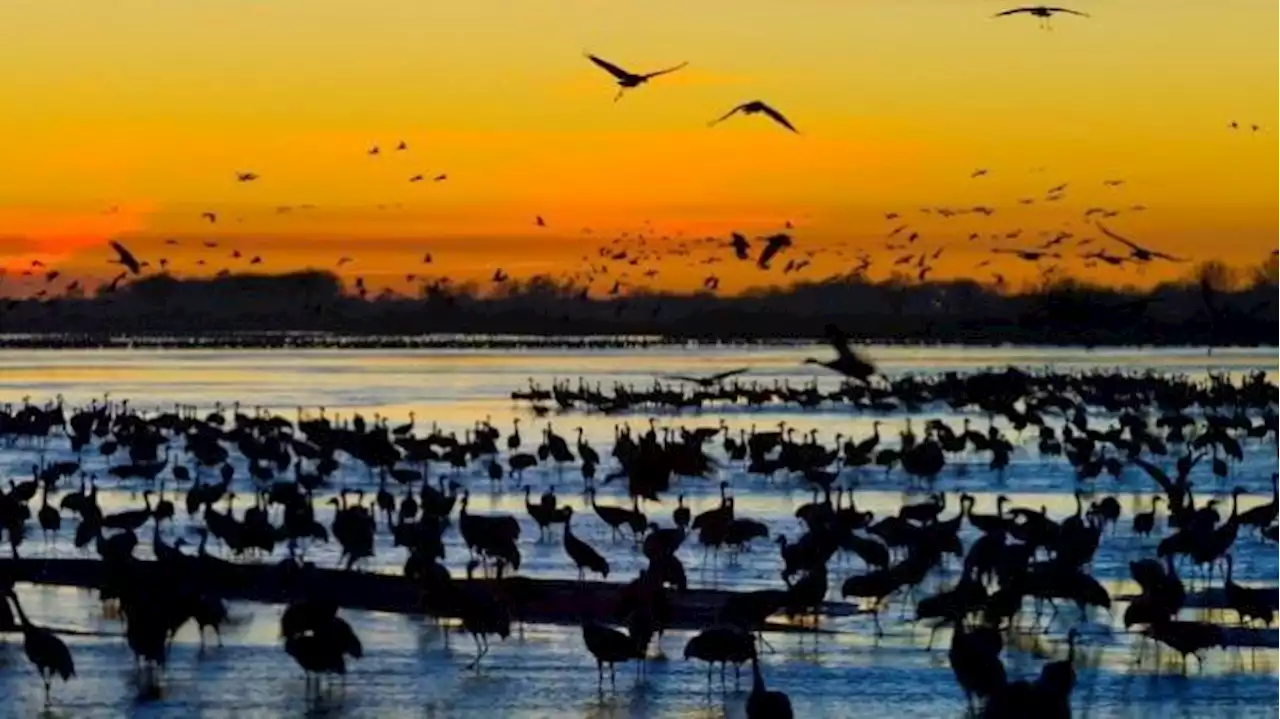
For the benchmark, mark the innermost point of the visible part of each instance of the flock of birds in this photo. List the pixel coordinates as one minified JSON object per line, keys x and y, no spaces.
{"x":633,"y":260}
{"x":1012,"y":562}
{"x":638,"y":257}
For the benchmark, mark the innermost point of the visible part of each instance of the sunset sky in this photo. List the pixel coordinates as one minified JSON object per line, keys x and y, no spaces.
{"x":126,"y":120}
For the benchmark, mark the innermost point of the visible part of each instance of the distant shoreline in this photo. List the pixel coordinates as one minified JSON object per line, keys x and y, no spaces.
{"x":313,"y":310}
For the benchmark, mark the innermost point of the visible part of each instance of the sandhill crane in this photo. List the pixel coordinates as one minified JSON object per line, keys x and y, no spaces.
{"x":132,"y":519}
{"x":321,"y":647}
{"x":585,"y":451}
{"x":847,"y":362}
{"x":773,"y":244}
{"x":763,"y":703}
{"x":1136,"y":252}
{"x":608,"y":646}
{"x":681,"y":514}
{"x":483,"y":614}
{"x":756,"y":107}
{"x":513,"y":439}
{"x":50,"y":519}
{"x":615,"y":517}
{"x":581,"y":553}
{"x":246,"y":176}
{"x":1144,"y":522}
{"x":1045,"y":13}
{"x":126,"y":258}
{"x":44,"y":649}
{"x":710,"y":380}
{"x":722,"y":644}
{"x":628,"y":80}
{"x":741,"y":246}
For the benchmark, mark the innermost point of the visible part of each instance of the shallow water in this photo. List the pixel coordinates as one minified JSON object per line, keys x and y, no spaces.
{"x":408,"y":670}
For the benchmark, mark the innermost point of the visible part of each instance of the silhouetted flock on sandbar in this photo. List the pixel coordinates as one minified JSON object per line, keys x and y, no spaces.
{"x":313,"y":479}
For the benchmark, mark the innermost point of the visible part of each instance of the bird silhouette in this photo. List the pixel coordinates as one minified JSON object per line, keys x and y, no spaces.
{"x":1137,"y":252}
{"x":246,"y":176}
{"x":440,"y":178}
{"x":416,"y":178}
{"x":539,"y":221}
{"x":773,"y":244}
{"x":212,"y":217}
{"x":741,"y":246}
{"x":1044,"y":12}
{"x":755,"y":107}
{"x":980,"y":172}
{"x":126,"y":258}
{"x":847,"y":362}
{"x":44,"y":649}
{"x":402,"y":146}
{"x":628,"y":80}
{"x":710,"y":380}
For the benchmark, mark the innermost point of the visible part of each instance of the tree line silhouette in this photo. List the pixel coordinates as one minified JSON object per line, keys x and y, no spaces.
{"x":1212,"y":306}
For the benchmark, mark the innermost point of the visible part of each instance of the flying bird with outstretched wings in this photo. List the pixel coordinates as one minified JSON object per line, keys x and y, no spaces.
{"x":628,"y":80}
{"x":125,"y":258}
{"x":741,"y":246}
{"x":710,"y":380}
{"x":246,"y":176}
{"x":1044,"y":12}
{"x":773,"y":244}
{"x":756,"y":107}
{"x":1136,"y":252}
{"x":849,"y":363}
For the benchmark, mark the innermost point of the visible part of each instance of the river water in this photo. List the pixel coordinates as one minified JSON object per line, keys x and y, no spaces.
{"x":410,"y":670}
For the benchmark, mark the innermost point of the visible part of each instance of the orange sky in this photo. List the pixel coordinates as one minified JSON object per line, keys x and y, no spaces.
{"x":128,"y":121}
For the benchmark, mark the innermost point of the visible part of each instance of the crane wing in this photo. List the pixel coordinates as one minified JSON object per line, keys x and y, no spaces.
{"x":726,"y":375}
{"x":664,"y":72}
{"x":126,"y":258}
{"x":726,"y":116}
{"x":609,"y":67}
{"x":778,"y":118}
{"x":1119,"y":239}
{"x":839,"y":341}
{"x":1014,"y":11}
{"x":1067,"y":10}
{"x":682,"y":378}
